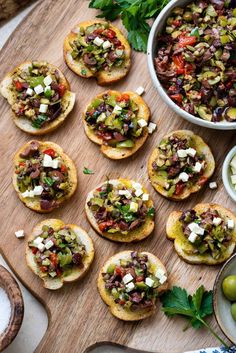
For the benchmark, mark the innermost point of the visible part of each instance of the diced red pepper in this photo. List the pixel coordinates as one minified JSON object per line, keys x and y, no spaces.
{"x":177,"y":97}
{"x":63,"y":168}
{"x":109,"y":33}
{"x":104,"y":225}
{"x":98,"y":31}
{"x":34,"y":250}
{"x":184,"y":41}
{"x":177,"y":23}
{"x":202,"y":180}
{"x":43,"y":269}
{"x":54,"y":259}
{"x":120,"y":271}
{"x":50,"y":152}
{"x":180,"y":71}
{"x":21,"y":164}
{"x":123,"y":97}
{"x":61,"y":89}
{"x":18,"y":86}
{"x":179,"y":188}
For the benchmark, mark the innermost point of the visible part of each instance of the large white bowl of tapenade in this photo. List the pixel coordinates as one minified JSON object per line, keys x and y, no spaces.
{"x":192,"y":60}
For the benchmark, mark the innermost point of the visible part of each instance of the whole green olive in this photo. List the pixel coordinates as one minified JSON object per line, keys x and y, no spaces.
{"x":233,"y":311}
{"x":229,"y":287}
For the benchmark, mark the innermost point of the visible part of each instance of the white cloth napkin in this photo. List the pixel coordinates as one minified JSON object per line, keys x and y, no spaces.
{"x":215,"y":350}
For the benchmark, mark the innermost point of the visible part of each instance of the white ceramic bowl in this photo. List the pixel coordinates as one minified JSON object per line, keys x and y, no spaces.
{"x":226,"y":173}
{"x":157,"y":28}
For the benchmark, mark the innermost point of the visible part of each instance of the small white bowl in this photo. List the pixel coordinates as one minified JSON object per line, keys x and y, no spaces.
{"x":226,"y":173}
{"x":157,"y":29}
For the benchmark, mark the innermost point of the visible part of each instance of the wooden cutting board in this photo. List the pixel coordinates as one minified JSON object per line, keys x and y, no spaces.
{"x":78,"y":319}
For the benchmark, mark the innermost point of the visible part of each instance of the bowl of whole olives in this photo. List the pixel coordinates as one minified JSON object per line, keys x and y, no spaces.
{"x":225,"y":299}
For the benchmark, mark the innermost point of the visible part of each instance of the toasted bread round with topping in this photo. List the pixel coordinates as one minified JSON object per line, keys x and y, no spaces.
{"x":185,"y":249}
{"x":141,"y":232}
{"x":104,"y":77}
{"x":34,"y":202}
{"x":124,"y":152}
{"x":201,"y":148}
{"x":76,"y":272}
{"x":9,"y":92}
{"x":116,"y":309}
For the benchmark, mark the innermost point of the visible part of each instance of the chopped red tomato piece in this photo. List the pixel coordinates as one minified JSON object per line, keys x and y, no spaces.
{"x":50,"y":152}
{"x":177,"y":23}
{"x":119,"y":271}
{"x":202,"y":180}
{"x":104,"y":225}
{"x":61,"y":89}
{"x":121,"y":302}
{"x":54,"y":259}
{"x":189,"y":68}
{"x":179,"y":188}
{"x":123,"y":97}
{"x":139,"y":278}
{"x":34,"y":250}
{"x":184,"y":41}
{"x":21,"y":164}
{"x":43,"y":269}
{"x":109,"y":33}
{"x":177,"y":97}
{"x":59,"y":272}
{"x":18,"y":86}
{"x":63,"y":168}
{"x":98,"y":31}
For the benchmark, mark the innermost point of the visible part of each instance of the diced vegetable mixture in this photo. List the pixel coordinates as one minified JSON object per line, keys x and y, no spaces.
{"x":133,"y":283}
{"x":196,"y":57}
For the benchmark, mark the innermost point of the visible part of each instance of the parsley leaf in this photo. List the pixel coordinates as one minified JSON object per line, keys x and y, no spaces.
{"x":151,"y":212}
{"x":87,"y":171}
{"x":134,"y":15}
{"x":193,"y":307}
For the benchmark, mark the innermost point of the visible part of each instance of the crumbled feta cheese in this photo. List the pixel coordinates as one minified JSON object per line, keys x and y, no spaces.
{"x":149,"y":282}
{"x":151,"y":127}
{"x":191,"y":152}
{"x":136,"y":185}
{"x":230,"y":223}
{"x":117,"y":109}
{"x":163,"y":279}
{"x":138,"y":192}
{"x":140,"y":90}
{"x":98,"y":41}
{"x":192,"y":238}
{"x":41,"y":247}
{"x":233,"y":179}
{"x":43,"y":108}
{"x":49,"y":244}
{"x":142,"y":123}
{"x":38,"y":241}
{"x":29,"y":91}
{"x":194,"y":227}
{"x":106,"y":45}
{"x":213,"y":185}
{"x":38,"y":89}
{"x":126,"y":193}
{"x":217,"y":221}
{"x":197,"y":167}
{"x":159,"y":273}
{"x":133,"y":206}
{"x":145,"y":197}
{"x":38,"y":190}
{"x":183,"y":176}
{"x":182,"y":153}
{"x":47,"y":160}
{"x":55,"y":163}
{"x":115,"y":182}
{"x":47,"y":80}
{"x":20,"y":233}
{"x":127,"y":278}
{"x":130,"y":286}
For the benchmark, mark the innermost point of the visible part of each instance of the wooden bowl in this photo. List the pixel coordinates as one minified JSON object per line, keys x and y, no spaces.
{"x":9,"y":284}
{"x":221,"y":304}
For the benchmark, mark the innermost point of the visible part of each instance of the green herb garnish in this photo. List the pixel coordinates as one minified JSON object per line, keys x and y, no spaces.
{"x":48,"y":181}
{"x":87,"y":171}
{"x":134,"y":15}
{"x":37,"y":123}
{"x":193,"y":307}
{"x":83,"y":72}
{"x":151,"y":212}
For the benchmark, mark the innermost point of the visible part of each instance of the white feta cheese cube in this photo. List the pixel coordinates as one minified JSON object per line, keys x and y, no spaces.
{"x":49,"y":244}
{"x":136,"y":185}
{"x":138,"y":192}
{"x":194,"y":227}
{"x":28,"y":193}
{"x":98,"y":41}
{"x":106,"y":45}
{"x":145,"y":197}
{"x":151,"y":127}
{"x":192,"y":238}
{"x":183,"y":176}
{"x":191,"y":152}
{"x":115,"y":182}
{"x":31,"y":193}
{"x":20,"y":233}
{"x":230,"y":223}
{"x":126,"y":193}
{"x":142,"y":123}
{"x":217,"y":221}
{"x":197,"y":167}
{"x":163,"y":279}
{"x":140,"y":90}
{"x":47,"y":160}
{"x":43,"y":108}
{"x":117,"y":109}
{"x":130,"y":286}
{"x":41,"y":247}
{"x":38,"y":190}
{"x":149,"y":282}
{"x":47,"y":80}
{"x":213,"y":185}
{"x":38,"y":241}
{"x":233,"y":179}
{"x":159,"y":273}
{"x":133,"y":206}
{"x":128,"y":278}
{"x":55,"y":163}
{"x":29,"y":91}
{"x":182,"y":153}
{"x":38,"y":89}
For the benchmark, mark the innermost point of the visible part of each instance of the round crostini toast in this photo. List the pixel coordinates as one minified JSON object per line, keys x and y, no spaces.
{"x":116,"y":212}
{"x":59,"y":253}
{"x":205,"y":234}
{"x":117,"y":122}
{"x":39,"y":96}
{"x":135,"y":275}
{"x":44,"y":176}
{"x":97,"y":49}
{"x":180,"y":165}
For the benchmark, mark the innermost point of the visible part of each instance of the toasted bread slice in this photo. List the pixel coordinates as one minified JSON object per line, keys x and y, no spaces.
{"x":174,"y":232}
{"x":78,"y":66}
{"x":68,"y":101}
{"x":120,"y":153}
{"x":135,"y":235}
{"x":116,"y":309}
{"x":201,"y":147}
{"x":34,"y":202}
{"x":77,"y":272}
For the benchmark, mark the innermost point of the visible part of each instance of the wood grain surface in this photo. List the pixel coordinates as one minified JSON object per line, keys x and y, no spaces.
{"x":78,"y":319}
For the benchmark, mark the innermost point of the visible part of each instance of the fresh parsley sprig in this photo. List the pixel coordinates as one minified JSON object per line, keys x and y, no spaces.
{"x":134,"y":14}
{"x":195,"y":308}
{"x":87,"y":171}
